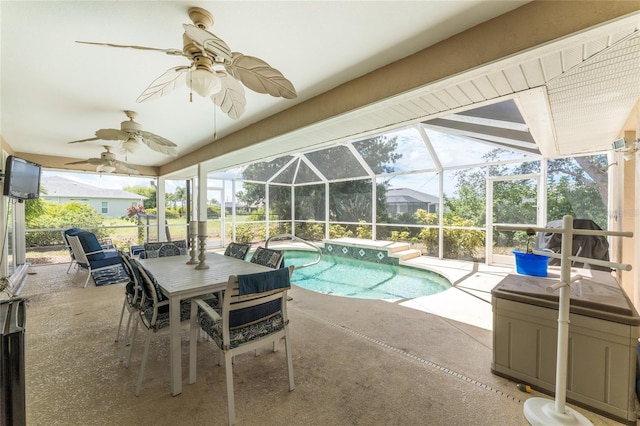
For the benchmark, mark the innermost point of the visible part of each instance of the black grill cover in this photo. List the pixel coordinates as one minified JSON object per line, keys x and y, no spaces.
{"x":591,"y":246}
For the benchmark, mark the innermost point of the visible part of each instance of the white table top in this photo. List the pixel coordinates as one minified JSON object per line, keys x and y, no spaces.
{"x":176,"y":278}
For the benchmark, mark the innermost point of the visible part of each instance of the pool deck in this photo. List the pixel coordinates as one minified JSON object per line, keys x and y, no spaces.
{"x":356,"y":361}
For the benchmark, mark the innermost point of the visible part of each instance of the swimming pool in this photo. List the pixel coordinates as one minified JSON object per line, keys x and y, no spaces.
{"x":361,"y":279}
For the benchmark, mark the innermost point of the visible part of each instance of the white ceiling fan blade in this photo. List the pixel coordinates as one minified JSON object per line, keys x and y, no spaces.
{"x":164,"y":84}
{"x":260,"y":77}
{"x":230,"y":98}
{"x":211,"y":43}
{"x":93,"y":161}
{"x":125,"y":167}
{"x":112,"y":135}
{"x":158,"y":143}
{"x":85,"y":140}
{"x":167,"y":51}
{"x":77,"y":162}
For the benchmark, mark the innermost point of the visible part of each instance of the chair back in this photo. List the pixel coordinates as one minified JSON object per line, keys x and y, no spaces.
{"x":237,"y":250}
{"x":152,"y":298}
{"x":134,"y":286}
{"x":65,"y":234}
{"x":255,"y":299}
{"x":91,"y":245}
{"x":268,"y":257}
{"x":78,"y":251}
{"x":165,"y":249}
{"x":137,"y":251}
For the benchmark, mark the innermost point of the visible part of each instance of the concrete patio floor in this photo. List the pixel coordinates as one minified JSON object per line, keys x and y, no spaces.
{"x":423,"y":361}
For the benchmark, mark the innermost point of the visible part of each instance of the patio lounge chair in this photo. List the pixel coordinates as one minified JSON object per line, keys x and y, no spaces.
{"x":90,"y":255}
{"x":253,"y":314}
{"x":106,"y":245}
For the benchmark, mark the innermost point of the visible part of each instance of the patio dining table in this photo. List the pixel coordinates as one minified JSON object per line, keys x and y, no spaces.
{"x":179,"y":281}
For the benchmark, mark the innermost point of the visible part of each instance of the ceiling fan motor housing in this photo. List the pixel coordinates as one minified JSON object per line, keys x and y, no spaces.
{"x":130,"y":126}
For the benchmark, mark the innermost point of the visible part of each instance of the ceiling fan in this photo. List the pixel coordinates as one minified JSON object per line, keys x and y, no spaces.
{"x":107,"y":163}
{"x":131,"y":135}
{"x":214,"y":71}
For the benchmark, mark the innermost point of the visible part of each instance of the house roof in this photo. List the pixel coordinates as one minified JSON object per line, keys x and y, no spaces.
{"x":58,"y":186}
{"x":406,"y":195}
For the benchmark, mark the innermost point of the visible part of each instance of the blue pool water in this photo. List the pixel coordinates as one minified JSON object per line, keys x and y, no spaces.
{"x":365,"y":280}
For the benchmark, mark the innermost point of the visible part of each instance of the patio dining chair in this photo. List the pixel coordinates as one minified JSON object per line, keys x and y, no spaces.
{"x":237,"y":250}
{"x":154,"y":314}
{"x":90,"y":255}
{"x":165,"y":248}
{"x":132,"y":300}
{"x":253,"y":313}
{"x":268,"y":257}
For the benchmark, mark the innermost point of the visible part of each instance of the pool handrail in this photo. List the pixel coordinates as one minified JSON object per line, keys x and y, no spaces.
{"x":294,"y":238}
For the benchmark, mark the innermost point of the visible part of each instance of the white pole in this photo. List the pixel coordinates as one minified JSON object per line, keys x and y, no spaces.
{"x":563,"y":315}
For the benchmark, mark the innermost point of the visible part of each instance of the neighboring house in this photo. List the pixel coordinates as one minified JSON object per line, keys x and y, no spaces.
{"x":405,"y":200}
{"x":109,"y":202}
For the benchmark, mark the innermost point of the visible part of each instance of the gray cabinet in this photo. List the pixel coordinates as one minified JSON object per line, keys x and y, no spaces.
{"x":603,"y":336}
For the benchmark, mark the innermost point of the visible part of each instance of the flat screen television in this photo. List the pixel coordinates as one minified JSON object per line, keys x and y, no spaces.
{"x":21,"y":179}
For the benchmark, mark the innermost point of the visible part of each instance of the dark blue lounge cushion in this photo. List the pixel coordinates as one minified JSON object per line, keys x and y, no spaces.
{"x":71,"y":231}
{"x":90,"y":244}
{"x":109,"y":259}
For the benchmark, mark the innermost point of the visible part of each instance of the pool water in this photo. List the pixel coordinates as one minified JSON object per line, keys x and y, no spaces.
{"x":361,"y":279}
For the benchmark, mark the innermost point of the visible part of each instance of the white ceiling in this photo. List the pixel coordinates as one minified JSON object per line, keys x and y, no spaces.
{"x":54,"y":90}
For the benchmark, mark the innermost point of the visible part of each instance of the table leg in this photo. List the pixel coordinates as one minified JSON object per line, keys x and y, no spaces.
{"x":174,"y":346}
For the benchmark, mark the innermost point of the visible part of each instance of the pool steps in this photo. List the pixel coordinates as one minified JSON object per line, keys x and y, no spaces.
{"x":401,"y":251}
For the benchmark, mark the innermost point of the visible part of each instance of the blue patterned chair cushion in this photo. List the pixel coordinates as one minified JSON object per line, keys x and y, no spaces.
{"x":162,"y":319}
{"x":267,"y":257}
{"x":161,"y":297}
{"x":165,"y":249}
{"x":243,"y":334}
{"x":237,"y":250}
{"x":134,"y":276}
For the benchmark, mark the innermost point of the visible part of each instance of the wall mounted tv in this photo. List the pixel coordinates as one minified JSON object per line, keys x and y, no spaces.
{"x":21,"y":179}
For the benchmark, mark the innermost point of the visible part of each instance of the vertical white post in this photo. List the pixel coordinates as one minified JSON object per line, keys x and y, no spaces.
{"x":563,"y":315}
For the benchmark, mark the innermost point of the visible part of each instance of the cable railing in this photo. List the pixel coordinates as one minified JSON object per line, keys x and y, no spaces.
{"x":294,"y":238}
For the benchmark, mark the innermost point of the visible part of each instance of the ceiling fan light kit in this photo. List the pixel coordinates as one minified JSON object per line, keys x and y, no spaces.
{"x":204,"y":82}
{"x":130,"y":145}
{"x":105,"y":169}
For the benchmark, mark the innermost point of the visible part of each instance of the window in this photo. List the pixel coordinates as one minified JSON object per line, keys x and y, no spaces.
{"x":105,"y":207}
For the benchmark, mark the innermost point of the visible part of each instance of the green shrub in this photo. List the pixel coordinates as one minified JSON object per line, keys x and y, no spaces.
{"x":402,"y":236}
{"x":68,"y":215}
{"x":310,"y":231}
{"x":458,"y":243}
{"x":364,"y":231}
{"x":244,"y":233}
{"x":339,"y":231}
